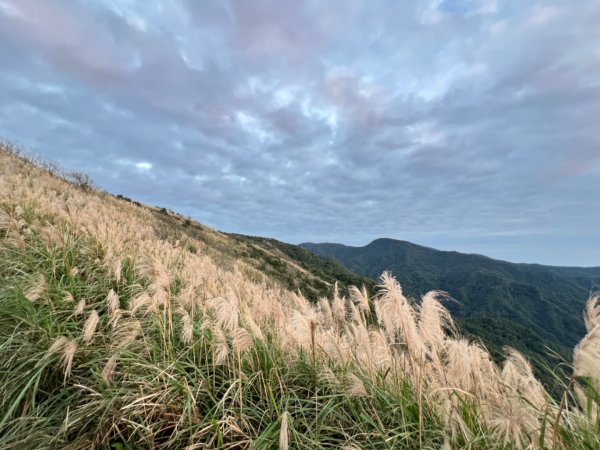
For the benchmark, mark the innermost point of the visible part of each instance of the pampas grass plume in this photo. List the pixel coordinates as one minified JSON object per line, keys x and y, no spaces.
{"x":89,"y":328}
{"x":36,"y":289}
{"x":79,"y":308}
{"x":66,"y":348}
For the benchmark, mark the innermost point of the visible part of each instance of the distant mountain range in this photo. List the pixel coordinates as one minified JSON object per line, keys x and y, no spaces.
{"x":531,"y":307}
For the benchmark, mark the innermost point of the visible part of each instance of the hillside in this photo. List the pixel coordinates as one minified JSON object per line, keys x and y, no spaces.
{"x":289,"y":266}
{"x":124,"y":326}
{"x":527,"y":306}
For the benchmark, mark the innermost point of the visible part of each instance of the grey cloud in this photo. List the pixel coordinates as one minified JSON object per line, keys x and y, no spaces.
{"x":467,"y":123}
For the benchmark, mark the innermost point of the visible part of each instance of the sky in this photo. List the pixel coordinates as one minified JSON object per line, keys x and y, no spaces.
{"x":457,"y":124}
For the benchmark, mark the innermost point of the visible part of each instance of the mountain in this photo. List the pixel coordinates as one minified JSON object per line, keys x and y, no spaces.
{"x":531,"y":307}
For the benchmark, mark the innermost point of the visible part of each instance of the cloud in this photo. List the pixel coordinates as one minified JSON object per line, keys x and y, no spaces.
{"x":449,"y":122}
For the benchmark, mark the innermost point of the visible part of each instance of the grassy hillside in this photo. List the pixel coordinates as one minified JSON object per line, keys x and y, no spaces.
{"x":527,"y":306}
{"x":324,"y":272}
{"x":119,"y":330}
{"x":285,"y":265}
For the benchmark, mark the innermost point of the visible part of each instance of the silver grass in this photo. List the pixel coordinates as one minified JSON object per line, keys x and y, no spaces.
{"x":117,"y":269}
{"x":242,"y":340}
{"x":325,"y":310}
{"x":361,"y":344}
{"x":126,"y":332}
{"x":115,"y":317}
{"x":355,"y":385}
{"x":79,"y":308}
{"x":52,"y":237}
{"x":382,"y":355}
{"x":221,"y":347}
{"x":226,"y":311}
{"x":251,"y":324}
{"x":592,"y":312}
{"x":12,"y":230}
{"x":187,"y":326}
{"x":586,"y":365}
{"x":36,"y":289}
{"x":398,"y":317}
{"x":434,"y":320}
{"x":141,"y":302}
{"x":66,"y":348}
{"x":109,"y":368}
{"x":328,"y":377}
{"x":338,"y":310}
{"x":89,"y":328}
{"x":356,"y":314}
{"x":154,"y":269}
{"x":112,"y":301}
{"x":361,"y":299}
{"x":518,"y":375}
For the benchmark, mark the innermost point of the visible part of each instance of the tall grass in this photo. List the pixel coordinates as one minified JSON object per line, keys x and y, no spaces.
{"x":111,"y":337}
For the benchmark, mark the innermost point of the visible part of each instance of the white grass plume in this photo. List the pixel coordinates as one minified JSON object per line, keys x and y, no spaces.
{"x":220,"y":346}
{"x":52,"y":238}
{"x":66,"y":348}
{"x":397,"y":316}
{"x":12,"y":228}
{"x":434,"y":320}
{"x":518,"y":375}
{"x":126,"y":332}
{"x":338,"y":306}
{"x":249,"y":322}
{"x":592,"y":312}
{"x":79,"y":308}
{"x":325,"y":310}
{"x":355,"y":385}
{"x":112,"y":301}
{"x":109,"y":368}
{"x":361,"y":299}
{"x":187,"y":326}
{"x":89,"y":328}
{"x":242,"y":340}
{"x":117,"y":268}
{"x":115,"y":318}
{"x":153,"y":268}
{"x":37,"y":288}
{"x":226,"y":311}
{"x":141,"y":302}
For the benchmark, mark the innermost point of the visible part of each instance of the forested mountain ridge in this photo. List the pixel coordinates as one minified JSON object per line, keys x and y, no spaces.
{"x":529,"y":306}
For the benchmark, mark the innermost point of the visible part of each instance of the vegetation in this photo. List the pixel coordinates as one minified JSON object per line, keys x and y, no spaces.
{"x":534,"y":308}
{"x":114,"y":335}
{"x":288,"y":266}
{"x":323,"y":272}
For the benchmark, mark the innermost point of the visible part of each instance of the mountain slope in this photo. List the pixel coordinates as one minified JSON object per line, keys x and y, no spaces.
{"x":289,"y":266}
{"x":527,"y":306}
{"x":127,"y":326}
